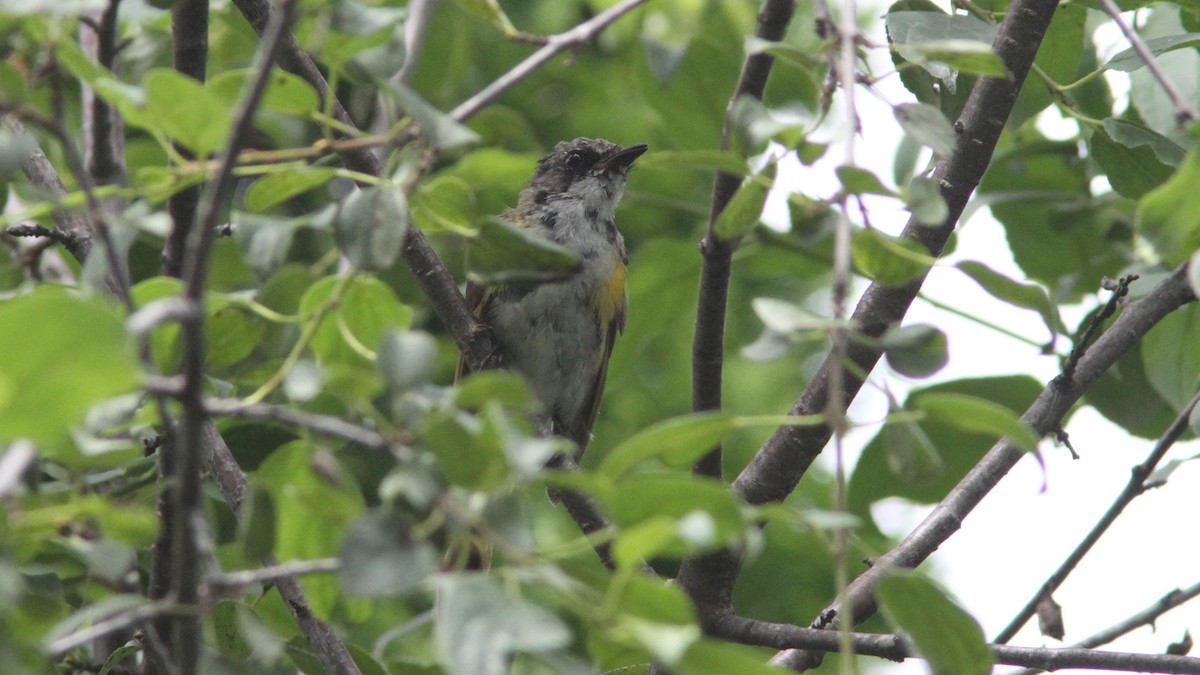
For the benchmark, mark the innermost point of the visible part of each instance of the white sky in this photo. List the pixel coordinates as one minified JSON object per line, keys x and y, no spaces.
{"x":1020,"y":534}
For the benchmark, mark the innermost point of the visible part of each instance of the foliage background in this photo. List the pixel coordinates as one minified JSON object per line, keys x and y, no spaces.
{"x":80,"y":523}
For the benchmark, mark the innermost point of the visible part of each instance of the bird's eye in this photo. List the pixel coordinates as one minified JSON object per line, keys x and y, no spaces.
{"x":574,"y":160}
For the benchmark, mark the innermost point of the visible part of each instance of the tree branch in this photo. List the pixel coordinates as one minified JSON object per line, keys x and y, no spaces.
{"x":708,"y":343}
{"x":778,"y":466}
{"x":103,"y":138}
{"x":326,"y":425}
{"x":80,"y":230}
{"x":1133,"y":489}
{"x":189,"y":445}
{"x":189,"y":42}
{"x":1146,"y":617}
{"x":892,"y":647}
{"x":1044,"y":416}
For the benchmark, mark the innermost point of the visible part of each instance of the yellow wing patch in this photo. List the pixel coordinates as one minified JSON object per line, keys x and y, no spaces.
{"x":611,"y":298}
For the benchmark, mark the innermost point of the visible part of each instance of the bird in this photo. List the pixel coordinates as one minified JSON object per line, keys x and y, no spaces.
{"x":559,"y":334}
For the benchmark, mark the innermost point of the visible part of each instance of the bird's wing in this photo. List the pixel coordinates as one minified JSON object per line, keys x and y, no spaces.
{"x":582,"y":433}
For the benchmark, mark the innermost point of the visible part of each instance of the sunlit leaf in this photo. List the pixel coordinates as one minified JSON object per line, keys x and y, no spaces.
{"x":978,"y":415}
{"x":64,"y":354}
{"x":948,"y":637}
{"x":1129,"y":60}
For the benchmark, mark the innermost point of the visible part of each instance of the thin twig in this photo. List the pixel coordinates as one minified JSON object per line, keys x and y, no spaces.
{"x":580,"y":35}
{"x":116,"y":623}
{"x":1146,"y":617}
{"x":326,"y":425}
{"x":85,"y":230}
{"x":1184,"y":112}
{"x":894,"y":648}
{"x":39,"y":171}
{"x":416,"y":25}
{"x":227,"y":583}
{"x":1119,"y":291}
{"x":1134,"y":488}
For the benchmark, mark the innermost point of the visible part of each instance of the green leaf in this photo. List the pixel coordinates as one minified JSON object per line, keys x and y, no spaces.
{"x":406,"y":359}
{"x":491,"y":12}
{"x":1171,"y":354}
{"x":1128,"y":60}
{"x":445,"y":203}
{"x":975,"y":414}
{"x":441,"y":130}
{"x":1126,"y":396}
{"x":370,"y":226}
{"x":888,"y":260}
{"x":256,"y":527}
{"x":15,"y":147}
{"x":286,"y":93}
{"x":265,"y":240}
{"x":677,"y":441}
{"x":505,"y":387}
{"x":1059,"y":57}
{"x":911,"y":454}
{"x":504,"y":253}
{"x":231,"y":333}
{"x":933,"y":83}
{"x":967,"y":56}
{"x":667,"y":30}
{"x":925,"y":202}
{"x":654,"y":599}
{"x":480,"y":625}
{"x":915,"y":351}
{"x":321,"y":500}
{"x":1041,"y":193}
{"x":641,"y":498}
{"x":781,"y":316}
{"x":858,"y":181}
{"x":382,"y":558}
{"x":942,"y":632}
{"x":715,"y":657}
{"x":187,"y":112}
{"x":1166,"y":217}
{"x":1028,"y":296}
{"x":1135,"y":159}
{"x":274,"y":189}
{"x":928,"y":125}
{"x":64,"y":353}
{"x":466,"y":455}
{"x":745,"y":208}
{"x":367,"y":310}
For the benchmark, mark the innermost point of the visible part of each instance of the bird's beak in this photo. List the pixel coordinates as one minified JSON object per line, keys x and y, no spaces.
{"x":623,"y":158}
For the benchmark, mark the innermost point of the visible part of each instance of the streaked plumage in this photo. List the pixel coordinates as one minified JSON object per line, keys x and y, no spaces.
{"x":560,"y":334}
